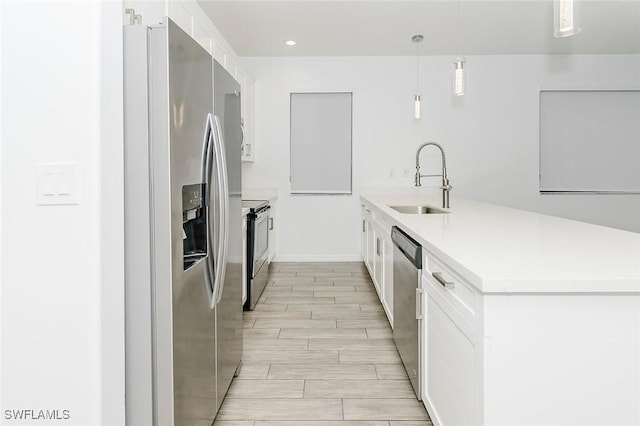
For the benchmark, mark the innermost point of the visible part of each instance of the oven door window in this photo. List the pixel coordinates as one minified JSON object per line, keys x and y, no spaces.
{"x":261,"y":245}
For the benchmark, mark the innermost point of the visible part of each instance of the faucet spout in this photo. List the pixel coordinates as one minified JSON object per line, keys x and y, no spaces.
{"x":446,"y":187}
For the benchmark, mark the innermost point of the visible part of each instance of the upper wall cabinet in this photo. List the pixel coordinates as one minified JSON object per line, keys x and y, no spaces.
{"x":247,"y":112}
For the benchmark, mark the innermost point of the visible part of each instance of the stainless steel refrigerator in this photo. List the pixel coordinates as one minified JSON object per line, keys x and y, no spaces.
{"x":183,"y":242}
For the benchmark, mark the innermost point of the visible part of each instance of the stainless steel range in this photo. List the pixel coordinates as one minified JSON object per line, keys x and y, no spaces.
{"x":258,"y":220}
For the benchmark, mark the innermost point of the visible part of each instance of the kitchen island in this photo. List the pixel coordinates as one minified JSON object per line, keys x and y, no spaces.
{"x":539,"y":321}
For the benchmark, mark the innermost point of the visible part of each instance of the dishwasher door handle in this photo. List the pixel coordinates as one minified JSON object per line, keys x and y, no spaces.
{"x":418,"y":303}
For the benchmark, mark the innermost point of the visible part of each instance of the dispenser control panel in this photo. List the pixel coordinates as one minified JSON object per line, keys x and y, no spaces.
{"x":192,"y":197}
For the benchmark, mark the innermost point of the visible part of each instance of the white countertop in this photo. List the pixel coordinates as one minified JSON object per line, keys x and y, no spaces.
{"x":505,"y":250}
{"x":269,"y":194}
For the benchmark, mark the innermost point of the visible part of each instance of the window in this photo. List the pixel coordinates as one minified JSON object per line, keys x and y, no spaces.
{"x":590,"y":141}
{"x":321,"y":151}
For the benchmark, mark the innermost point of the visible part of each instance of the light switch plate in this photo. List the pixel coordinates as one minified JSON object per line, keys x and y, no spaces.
{"x":57,"y":184}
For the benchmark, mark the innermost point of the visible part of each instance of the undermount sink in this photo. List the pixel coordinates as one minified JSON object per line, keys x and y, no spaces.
{"x":418,"y":210}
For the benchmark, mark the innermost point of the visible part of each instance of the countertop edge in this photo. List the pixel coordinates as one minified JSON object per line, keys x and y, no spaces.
{"x":506,"y":285}
{"x":268,"y":194}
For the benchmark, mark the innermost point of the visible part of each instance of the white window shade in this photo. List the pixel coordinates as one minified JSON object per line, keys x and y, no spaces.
{"x":321,"y":151}
{"x":590,"y":141}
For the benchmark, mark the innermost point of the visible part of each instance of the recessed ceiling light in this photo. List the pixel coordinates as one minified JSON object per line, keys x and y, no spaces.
{"x":290,"y":43}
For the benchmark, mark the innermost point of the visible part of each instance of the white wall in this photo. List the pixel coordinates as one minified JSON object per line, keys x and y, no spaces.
{"x":490,"y":136}
{"x":1,"y":202}
{"x":62,"y":266}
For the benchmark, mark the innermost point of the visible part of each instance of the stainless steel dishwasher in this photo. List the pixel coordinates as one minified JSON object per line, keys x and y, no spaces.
{"x":407,"y":303}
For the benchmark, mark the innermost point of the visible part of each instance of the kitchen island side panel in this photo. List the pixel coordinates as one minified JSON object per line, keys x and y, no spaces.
{"x":562,"y":359}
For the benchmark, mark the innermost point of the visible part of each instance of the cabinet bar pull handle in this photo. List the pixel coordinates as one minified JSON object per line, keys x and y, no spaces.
{"x":270,"y":224}
{"x":378,"y":246}
{"x":418,"y":303}
{"x":364,"y":225}
{"x":438,"y":277}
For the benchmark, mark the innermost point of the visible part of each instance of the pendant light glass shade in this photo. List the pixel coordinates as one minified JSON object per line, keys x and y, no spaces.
{"x":416,"y":107}
{"x":566,"y":18}
{"x":459,"y":78}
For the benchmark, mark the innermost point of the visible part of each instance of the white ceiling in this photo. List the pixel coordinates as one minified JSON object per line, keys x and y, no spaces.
{"x":383,"y":28}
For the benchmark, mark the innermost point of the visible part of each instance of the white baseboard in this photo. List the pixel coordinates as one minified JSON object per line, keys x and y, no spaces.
{"x":316,"y":258}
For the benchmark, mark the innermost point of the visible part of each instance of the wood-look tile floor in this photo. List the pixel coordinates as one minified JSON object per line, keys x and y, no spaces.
{"x":318,"y":351}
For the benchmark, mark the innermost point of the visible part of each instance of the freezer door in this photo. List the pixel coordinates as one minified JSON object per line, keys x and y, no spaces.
{"x":181,"y":100}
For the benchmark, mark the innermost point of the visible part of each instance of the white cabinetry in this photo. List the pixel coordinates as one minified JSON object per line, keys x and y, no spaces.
{"x":272,"y":230}
{"x":452,"y":346}
{"x":383,"y":270}
{"x":378,"y":262}
{"x":367,"y":238}
{"x":377,"y":253}
{"x":387,"y":299}
{"x":247,"y":102}
{"x":363,"y":234}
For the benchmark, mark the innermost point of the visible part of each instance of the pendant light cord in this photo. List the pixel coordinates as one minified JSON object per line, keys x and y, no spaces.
{"x":458,"y":33}
{"x":417,"y":39}
{"x":417,"y":68}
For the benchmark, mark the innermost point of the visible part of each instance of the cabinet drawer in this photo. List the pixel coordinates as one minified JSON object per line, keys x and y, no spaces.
{"x":452,"y":287}
{"x":383,"y":226}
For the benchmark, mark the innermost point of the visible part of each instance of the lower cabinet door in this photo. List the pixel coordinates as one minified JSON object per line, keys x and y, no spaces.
{"x":272,"y":230}
{"x":453,"y":363}
{"x":387,"y":301}
{"x":378,"y":264}
{"x":371,"y":245}
{"x":363,"y":239}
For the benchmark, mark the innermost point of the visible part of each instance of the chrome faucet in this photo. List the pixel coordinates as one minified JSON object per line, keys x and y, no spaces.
{"x":446,"y":187}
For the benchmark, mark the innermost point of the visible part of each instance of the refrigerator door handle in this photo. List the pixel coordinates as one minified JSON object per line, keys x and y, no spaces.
{"x":224,"y":198}
{"x":207,"y":165}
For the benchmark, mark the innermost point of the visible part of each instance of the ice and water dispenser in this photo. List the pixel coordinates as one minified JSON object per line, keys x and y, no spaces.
{"x":194,"y":224}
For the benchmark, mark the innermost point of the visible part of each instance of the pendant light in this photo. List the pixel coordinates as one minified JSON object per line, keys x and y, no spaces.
{"x":459,"y":78}
{"x":416,"y":98}
{"x":565,"y":18}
